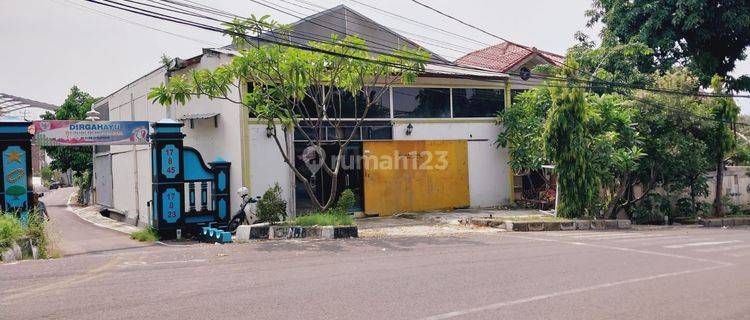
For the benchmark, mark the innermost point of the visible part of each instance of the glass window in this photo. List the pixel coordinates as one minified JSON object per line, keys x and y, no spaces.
{"x":377,"y":133}
{"x":342,"y":104}
{"x":421,"y":103}
{"x":468,"y":103}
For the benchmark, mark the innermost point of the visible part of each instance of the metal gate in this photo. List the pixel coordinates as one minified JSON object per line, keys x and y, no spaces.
{"x":103,"y":180}
{"x":173,"y":167}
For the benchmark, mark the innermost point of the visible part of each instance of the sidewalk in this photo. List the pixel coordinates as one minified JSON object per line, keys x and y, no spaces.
{"x":432,"y":223}
{"x":92,"y":215}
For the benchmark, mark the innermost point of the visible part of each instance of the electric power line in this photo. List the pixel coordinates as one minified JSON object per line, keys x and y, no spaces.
{"x":207,"y":27}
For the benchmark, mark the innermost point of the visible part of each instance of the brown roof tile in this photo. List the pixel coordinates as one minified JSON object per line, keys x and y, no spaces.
{"x":504,"y":56}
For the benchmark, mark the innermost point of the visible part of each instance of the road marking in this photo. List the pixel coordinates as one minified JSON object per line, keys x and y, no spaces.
{"x":566,"y":292}
{"x":717,"y":265}
{"x":654,"y":237}
{"x":721,"y":249}
{"x":601,"y":235}
{"x":654,"y":253}
{"x":617,"y":237}
{"x":35,"y":289}
{"x":145,"y":263}
{"x":700,"y":244}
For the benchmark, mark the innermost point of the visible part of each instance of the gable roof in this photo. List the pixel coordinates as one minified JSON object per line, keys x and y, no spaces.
{"x":342,"y":20}
{"x":504,"y":56}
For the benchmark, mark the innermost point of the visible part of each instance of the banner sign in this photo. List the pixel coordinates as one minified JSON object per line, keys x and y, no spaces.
{"x":89,"y":133}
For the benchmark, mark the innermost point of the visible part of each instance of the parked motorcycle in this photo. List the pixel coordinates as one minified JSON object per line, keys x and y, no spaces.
{"x":246,"y":214}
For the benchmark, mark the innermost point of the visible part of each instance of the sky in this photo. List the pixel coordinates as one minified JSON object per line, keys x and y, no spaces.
{"x":47,"y":46}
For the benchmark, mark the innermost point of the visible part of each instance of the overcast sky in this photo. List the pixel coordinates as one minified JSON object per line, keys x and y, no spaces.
{"x":47,"y":46}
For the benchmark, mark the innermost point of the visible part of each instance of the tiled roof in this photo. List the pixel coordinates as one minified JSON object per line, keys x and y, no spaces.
{"x":503,"y":57}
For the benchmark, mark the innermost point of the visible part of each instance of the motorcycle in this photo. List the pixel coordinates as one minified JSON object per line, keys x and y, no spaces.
{"x":246,"y":214}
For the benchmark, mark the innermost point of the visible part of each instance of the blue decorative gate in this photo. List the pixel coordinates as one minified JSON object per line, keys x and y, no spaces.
{"x":174,"y":167}
{"x":16,"y":189}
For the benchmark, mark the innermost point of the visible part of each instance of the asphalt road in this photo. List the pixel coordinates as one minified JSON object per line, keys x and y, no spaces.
{"x":658,"y":274}
{"x":74,"y":235}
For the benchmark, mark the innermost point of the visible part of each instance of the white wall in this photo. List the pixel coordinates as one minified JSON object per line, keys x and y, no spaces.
{"x":488,"y":165}
{"x":223,"y":140}
{"x":267,"y":166}
{"x":132,"y":172}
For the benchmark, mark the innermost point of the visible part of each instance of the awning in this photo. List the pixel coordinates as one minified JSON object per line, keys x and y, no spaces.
{"x":199,"y":116}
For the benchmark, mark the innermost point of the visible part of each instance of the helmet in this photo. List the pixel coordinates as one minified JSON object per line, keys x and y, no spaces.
{"x":242,"y":191}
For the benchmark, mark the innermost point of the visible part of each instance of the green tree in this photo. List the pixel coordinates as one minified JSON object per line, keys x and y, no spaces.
{"x":615,"y":62}
{"x":567,"y":145}
{"x":708,"y":36}
{"x":521,"y":128}
{"x":636,"y":138}
{"x":721,"y":138}
{"x":673,"y":131}
{"x":616,"y":149}
{"x":74,"y":108}
{"x":300,"y":90}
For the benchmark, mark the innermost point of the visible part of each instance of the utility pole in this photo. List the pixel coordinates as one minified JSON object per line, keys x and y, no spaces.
{"x":93,"y":115}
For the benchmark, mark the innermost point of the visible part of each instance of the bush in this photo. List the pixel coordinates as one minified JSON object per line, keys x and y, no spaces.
{"x":83,"y":182}
{"x":146,"y":235}
{"x":652,"y":209}
{"x":703,"y":208}
{"x":731,"y":208}
{"x":10,"y":231}
{"x":271,"y":206}
{"x":346,"y":201}
{"x":684,"y":207}
{"x":47,"y":175}
{"x":36,"y":230}
{"x":330,"y":218}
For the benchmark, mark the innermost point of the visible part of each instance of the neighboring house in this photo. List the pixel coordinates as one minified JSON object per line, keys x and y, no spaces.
{"x":507,"y":56}
{"x":455,"y":111}
{"x":516,"y":60}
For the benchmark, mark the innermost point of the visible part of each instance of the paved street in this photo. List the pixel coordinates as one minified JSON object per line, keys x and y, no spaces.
{"x":77,"y":236}
{"x":686,"y":273}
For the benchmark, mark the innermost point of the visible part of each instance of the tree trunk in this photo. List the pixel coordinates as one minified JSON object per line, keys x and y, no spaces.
{"x":693,"y":209}
{"x":718,"y":206}
{"x":614,"y":205}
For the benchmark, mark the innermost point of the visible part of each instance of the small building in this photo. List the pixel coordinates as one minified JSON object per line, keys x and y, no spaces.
{"x":455,"y":111}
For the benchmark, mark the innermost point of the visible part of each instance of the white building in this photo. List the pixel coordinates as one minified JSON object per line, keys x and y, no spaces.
{"x":467,"y":100}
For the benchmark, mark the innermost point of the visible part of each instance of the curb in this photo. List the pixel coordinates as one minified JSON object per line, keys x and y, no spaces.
{"x":77,"y":212}
{"x":561,"y":225}
{"x":265,"y":231}
{"x":21,"y":249}
{"x":726,"y":222}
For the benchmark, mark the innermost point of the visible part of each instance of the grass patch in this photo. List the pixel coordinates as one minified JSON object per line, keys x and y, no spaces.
{"x":533,"y":218}
{"x":33,"y":227}
{"x":10,"y":231}
{"x":36,"y":230}
{"x":146,"y":235}
{"x":323,"y":219}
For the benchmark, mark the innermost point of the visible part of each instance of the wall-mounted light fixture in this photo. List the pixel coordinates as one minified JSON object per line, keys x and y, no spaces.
{"x":409,"y":129}
{"x":269,"y":131}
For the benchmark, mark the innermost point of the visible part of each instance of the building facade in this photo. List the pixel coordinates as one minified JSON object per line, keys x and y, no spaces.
{"x":449,"y":107}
